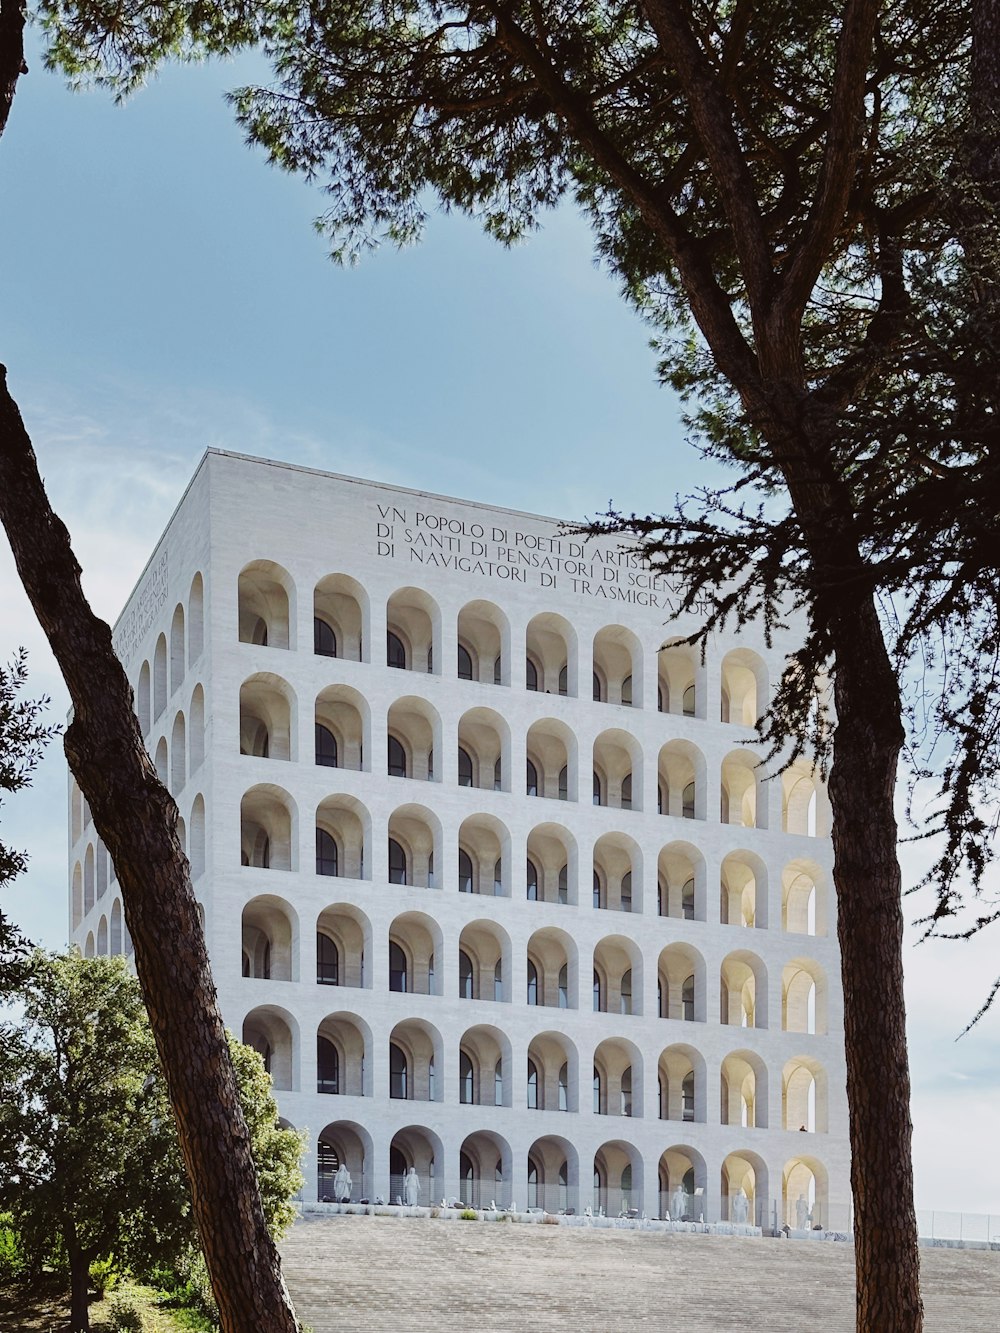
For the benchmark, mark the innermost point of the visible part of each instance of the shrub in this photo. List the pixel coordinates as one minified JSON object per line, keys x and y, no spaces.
{"x":11,"y":1254}
{"x":125,"y":1314}
{"x":469,"y":1215}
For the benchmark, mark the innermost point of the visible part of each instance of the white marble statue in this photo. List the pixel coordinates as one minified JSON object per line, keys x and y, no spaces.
{"x":342,"y":1185}
{"x":741,"y":1208}
{"x":801,"y":1213}
{"x":411,"y":1187}
{"x":678,"y":1203}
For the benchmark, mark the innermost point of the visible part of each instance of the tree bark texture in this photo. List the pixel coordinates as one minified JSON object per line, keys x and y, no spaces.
{"x":870,"y":930}
{"x":12,"y":64}
{"x":137,"y":818}
{"x":79,"y":1290}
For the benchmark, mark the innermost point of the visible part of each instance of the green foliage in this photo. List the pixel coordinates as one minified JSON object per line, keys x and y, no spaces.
{"x":125,"y":1314}
{"x":90,"y":1170}
{"x":105,"y":1275}
{"x":22,"y":740}
{"x":12,"y":1263}
{"x":469,"y":1215}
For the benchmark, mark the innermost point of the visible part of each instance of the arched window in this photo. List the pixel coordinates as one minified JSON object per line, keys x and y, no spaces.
{"x":532,"y":881}
{"x":688,"y":701}
{"x":564,"y":679}
{"x":625,"y":992}
{"x":466,"y":977}
{"x":598,"y":890}
{"x":626,"y":1102}
{"x":532,"y":779}
{"x":532,"y":983}
{"x":687,"y":1096}
{"x":430,"y":1083}
{"x":498,"y":671}
{"x":660,"y":800}
{"x":627,"y":691}
{"x":397,"y":758}
{"x":598,"y":693}
{"x":564,"y":987}
{"x":687,"y":901}
{"x":324,"y":639}
{"x":564,"y":783}
{"x":530,"y":675}
{"x":395,"y":653}
{"x":598,"y":993}
{"x":465,"y":881}
{"x":327,"y":857}
{"x":626,"y":894}
{"x":598,"y":796}
{"x":662,"y":705}
{"x":467,"y":1176}
{"x":498,"y":981}
{"x":498,"y":1084}
{"x":327,"y":961}
{"x":687,"y":810}
{"x":534,"y":1101}
{"x":327,"y":1066}
{"x":598,"y":1104}
{"x":532,"y":1182}
{"x":466,"y":1080}
{"x":498,"y":878}
{"x":397,"y":863}
{"x":687,"y":999}
{"x":398,"y":1081}
{"x":397,"y":968}
{"x":326,"y":747}
{"x":627,"y":792}
{"x":464,"y":767}
{"x":498,"y":775}
{"x":564,"y":884}
{"x":464,"y":663}
{"x":564,"y":1088}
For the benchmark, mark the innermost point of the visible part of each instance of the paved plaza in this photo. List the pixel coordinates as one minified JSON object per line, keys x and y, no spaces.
{"x":378,"y":1274}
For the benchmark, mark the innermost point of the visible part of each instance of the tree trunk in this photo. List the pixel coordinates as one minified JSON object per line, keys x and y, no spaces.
{"x":137,"y":818}
{"x":870,"y":929}
{"x":79,"y":1290}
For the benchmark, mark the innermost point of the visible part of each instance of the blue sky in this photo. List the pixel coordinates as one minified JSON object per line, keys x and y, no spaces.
{"x":164,"y":291}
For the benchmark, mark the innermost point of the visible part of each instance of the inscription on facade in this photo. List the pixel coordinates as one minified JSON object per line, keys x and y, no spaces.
{"x":148,"y":603}
{"x":512,"y":555}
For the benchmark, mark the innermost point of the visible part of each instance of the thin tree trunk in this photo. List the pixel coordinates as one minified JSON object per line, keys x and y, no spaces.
{"x":137,"y":818}
{"x":868,"y":739}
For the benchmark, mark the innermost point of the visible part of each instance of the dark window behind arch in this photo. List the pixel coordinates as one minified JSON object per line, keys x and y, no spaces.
{"x":532,"y":983}
{"x":327,"y":961}
{"x":397,"y":968}
{"x":398,"y":1081}
{"x":532,"y":881}
{"x":326,"y":747}
{"x":397,"y":863}
{"x":534,"y":1100}
{"x":464,"y":663}
{"x":324,"y":639}
{"x":327,"y":1066}
{"x":395,"y":653}
{"x":466,"y":1080}
{"x":464,"y":767}
{"x":465,"y":878}
{"x":327,"y":856}
{"x":466,"y":977}
{"x":531,"y":779}
{"x":530,"y":674}
{"x":396,"y":757}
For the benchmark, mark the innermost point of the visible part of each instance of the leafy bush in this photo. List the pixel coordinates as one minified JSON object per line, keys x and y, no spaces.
{"x":11,"y":1254}
{"x":104,"y":1275}
{"x":469,"y":1215}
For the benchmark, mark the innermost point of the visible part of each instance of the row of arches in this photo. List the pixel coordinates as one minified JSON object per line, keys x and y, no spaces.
{"x":172,"y":655}
{"x":549,"y":865}
{"x":549,"y":1073}
{"x":111,"y":936}
{"x":555,"y":1176}
{"x":550,"y":653}
{"x":557,"y":973}
{"x":94,"y":873}
{"x":554,"y":767}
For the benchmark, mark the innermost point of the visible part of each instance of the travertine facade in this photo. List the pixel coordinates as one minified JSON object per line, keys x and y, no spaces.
{"x":488,"y":877}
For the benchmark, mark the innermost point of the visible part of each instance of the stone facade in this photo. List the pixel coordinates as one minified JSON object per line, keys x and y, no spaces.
{"x":516,"y":910}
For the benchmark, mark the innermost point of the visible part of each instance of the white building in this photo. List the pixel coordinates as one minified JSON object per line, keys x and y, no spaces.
{"x":513,"y":906}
